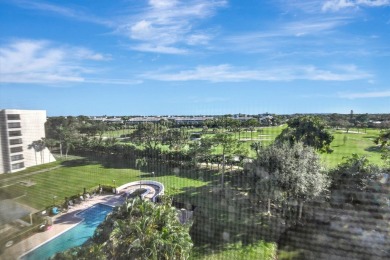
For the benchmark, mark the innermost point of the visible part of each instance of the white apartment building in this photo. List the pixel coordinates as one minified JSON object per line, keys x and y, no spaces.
{"x":18,"y":131}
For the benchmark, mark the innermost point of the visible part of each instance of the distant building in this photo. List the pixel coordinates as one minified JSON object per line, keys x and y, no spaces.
{"x":139,"y":120}
{"x":18,"y":130}
{"x":195,"y":120}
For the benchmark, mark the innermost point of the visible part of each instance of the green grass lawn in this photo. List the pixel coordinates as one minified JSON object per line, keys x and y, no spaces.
{"x":260,"y":250}
{"x":76,"y":174}
{"x":357,"y":141}
{"x":117,"y":133}
{"x":70,"y":180}
{"x":345,"y":144}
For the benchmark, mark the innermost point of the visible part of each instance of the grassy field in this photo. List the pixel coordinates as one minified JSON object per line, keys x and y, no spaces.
{"x":54,"y":181}
{"x":260,"y":250}
{"x":73,"y":176}
{"x":117,"y":133}
{"x":345,"y":144}
{"x":357,"y":141}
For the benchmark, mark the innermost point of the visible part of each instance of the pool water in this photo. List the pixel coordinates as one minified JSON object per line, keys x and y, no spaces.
{"x":76,"y":236}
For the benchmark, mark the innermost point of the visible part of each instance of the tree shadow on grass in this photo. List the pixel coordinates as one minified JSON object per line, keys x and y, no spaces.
{"x":78,"y":162}
{"x":373,"y":149}
{"x":107,"y":161}
{"x":369,"y":137}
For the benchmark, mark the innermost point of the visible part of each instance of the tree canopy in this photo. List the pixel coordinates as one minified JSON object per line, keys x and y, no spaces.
{"x":354,"y":178}
{"x":149,"y":134}
{"x":288,"y":173}
{"x":137,"y":230}
{"x":229,"y":146}
{"x":309,"y":130}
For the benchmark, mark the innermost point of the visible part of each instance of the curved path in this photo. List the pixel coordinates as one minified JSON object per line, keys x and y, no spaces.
{"x":153,"y":189}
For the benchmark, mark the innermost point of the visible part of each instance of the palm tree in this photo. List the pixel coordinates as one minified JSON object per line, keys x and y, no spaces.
{"x":140,"y":229}
{"x":229,"y":146}
{"x":34,"y":146}
{"x":38,"y":146}
{"x":50,"y":143}
{"x":251,"y":128}
{"x":140,"y":162}
{"x":256,"y":146}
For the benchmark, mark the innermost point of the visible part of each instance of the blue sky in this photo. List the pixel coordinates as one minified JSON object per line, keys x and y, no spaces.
{"x":172,"y":57}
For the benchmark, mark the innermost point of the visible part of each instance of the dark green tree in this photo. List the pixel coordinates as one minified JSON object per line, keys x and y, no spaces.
{"x":200,"y":150}
{"x":288,"y":173}
{"x":149,"y":134}
{"x":139,"y":163}
{"x":229,"y":146}
{"x":309,"y":130}
{"x":176,"y":138}
{"x":383,"y":139}
{"x":137,"y":230}
{"x":353,"y":180}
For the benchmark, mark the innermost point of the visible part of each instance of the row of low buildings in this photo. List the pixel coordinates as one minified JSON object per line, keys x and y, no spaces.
{"x":179,"y":120}
{"x":19,"y":132}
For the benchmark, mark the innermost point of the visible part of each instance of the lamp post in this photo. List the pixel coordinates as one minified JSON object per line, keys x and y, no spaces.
{"x":114,"y":189}
{"x":54,"y":200}
{"x":152,"y":174}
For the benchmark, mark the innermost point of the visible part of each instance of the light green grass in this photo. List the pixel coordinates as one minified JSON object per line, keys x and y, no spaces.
{"x":360,"y":143}
{"x":70,"y":180}
{"x":260,"y":250}
{"x":117,"y":133}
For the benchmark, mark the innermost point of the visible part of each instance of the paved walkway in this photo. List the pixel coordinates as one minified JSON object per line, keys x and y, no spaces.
{"x":62,"y":223}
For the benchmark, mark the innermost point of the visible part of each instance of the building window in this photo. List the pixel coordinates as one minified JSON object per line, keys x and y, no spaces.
{"x":17,"y":149}
{"x":14,"y":125}
{"x":15,"y":133}
{"x":17,"y":157}
{"x":16,"y":166}
{"x":15,"y":141}
{"x":13,"y":117}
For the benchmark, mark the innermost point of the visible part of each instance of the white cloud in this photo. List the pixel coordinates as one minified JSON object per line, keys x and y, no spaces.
{"x":228,"y":73}
{"x":198,"y":39}
{"x":83,"y":53}
{"x":63,"y":11}
{"x":169,"y":26}
{"x":336,"y":5}
{"x":32,"y":61}
{"x":379,"y":94}
{"x":313,"y":26}
{"x":290,"y":36}
{"x":150,"y":47}
{"x":163,"y":4}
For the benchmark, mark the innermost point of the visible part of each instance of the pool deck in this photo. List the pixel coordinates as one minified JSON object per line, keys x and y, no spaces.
{"x":62,"y":222}
{"x":65,"y":221}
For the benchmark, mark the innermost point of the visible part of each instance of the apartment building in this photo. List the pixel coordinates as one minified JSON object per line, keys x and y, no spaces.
{"x":19,"y":132}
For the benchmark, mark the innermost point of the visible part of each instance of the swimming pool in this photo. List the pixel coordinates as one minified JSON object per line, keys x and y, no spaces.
{"x":76,"y":236}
